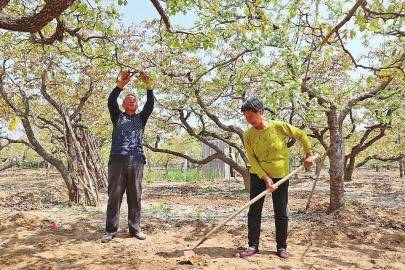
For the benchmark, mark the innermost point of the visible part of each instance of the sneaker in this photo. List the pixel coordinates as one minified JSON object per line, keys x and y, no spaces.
{"x":282,"y":253}
{"x":249,"y":252}
{"x":107,"y":237}
{"x":139,"y":235}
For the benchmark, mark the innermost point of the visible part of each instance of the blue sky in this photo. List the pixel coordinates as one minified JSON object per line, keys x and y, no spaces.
{"x":138,"y":10}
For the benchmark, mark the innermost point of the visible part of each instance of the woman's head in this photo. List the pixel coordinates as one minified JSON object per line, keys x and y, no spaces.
{"x":252,"y":109}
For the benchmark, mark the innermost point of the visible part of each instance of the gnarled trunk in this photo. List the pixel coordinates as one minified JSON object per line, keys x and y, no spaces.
{"x":8,"y":163}
{"x":336,"y":156}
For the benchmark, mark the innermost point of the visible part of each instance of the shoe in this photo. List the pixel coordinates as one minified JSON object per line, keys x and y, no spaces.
{"x":139,"y":235}
{"x":282,"y":253}
{"x":249,"y":252}
{"x":107,"y":237}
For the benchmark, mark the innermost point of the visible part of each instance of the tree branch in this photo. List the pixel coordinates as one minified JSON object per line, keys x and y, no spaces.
{"x":384,"y":15}
{"x":56,"y":36}
{"x":325,"y":103}
{"x":343,"y":22}
{"x":9,"y":163}
{"x":392,"y":65}
{"x":83,"y":100}
{"x":163,"y":15}
{"x":2,"y":146}
{"x":376,"y":157}
{"x":362,"y":145}
{"x":320,"y":136}
{"x":217,"y":121}
{"x":45,"y":94}
{"x":13,"y":141}
{"x":24,"y":116}
{"x":352,"y":121}
{"x":34,"y":23}
{"x":3,"y":3}
{"x":221,"y":154}
{"x":224,"y":63}
{"x":362,"y":97}
{"x":178,"y":154}
{"x":50,"y":123}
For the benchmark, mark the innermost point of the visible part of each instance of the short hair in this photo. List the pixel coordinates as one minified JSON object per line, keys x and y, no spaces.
{"x":131,"y":95}
{"x":253,"y":104}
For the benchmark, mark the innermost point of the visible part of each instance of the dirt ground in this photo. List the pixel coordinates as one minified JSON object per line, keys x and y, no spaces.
{"x":368,"y":233}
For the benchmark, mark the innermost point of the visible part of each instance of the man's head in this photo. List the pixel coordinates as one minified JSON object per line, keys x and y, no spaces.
{"x":130,"y":104}
{"x":253,"y":108}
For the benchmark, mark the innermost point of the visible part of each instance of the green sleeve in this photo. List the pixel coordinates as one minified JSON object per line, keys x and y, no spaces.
{"x":296,"y":133}
{"x":252,"y":158}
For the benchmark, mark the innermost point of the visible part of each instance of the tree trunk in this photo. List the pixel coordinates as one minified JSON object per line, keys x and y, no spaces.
{"x":166,"y":168}
{"x":246,"y":180}
{"x":401,"y":167}
{"x":349,"y":169}
{"x":73,"y":191}
{"x":9,"y":163}
{"x":319,"y":165}
{"x":336,"y":156}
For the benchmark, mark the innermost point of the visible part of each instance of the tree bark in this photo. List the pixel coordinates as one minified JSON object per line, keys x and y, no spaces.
{"x":246,"y":179}
{"x":349,"y":169}
{"x":166,"y":168}
{"x":336,"y":156}
{"x":9,"y":163}
{"x":34,"y":22}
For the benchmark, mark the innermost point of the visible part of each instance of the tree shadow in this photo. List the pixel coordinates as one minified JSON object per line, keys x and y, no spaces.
{"x":212,"y":252}
{"x":37,"y":251}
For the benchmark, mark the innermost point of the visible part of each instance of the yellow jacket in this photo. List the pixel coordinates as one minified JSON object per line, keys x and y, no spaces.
{"x":267,"y":150}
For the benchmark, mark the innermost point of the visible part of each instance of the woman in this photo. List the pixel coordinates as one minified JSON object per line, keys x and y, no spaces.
{"x":267,"y":152}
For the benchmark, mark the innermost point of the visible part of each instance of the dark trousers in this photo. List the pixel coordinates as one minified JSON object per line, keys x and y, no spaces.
{"x":125,"y":173}
{"x":280,"y":201}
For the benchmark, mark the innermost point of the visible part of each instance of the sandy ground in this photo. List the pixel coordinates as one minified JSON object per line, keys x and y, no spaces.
{"x":368,"y":233}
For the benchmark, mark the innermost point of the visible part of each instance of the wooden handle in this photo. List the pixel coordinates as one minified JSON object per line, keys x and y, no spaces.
{"x":255,"y":199}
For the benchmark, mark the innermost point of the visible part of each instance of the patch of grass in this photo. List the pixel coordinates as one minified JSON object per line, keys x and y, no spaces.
{"x":75,"y":209}
{"x":199,"y":212}
{"x":95,"y":211}
{"x":175,"y":175}
{"x":209,"y":190}
{"x":160,"y":209}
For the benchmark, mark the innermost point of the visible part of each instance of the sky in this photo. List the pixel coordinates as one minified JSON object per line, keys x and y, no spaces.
{"x":138,"y":10}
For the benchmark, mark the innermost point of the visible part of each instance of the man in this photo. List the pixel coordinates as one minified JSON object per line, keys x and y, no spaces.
{"x":125,"y":166}
{"x":266,"y":149}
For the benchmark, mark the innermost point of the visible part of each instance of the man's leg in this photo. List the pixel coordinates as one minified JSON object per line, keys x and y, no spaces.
{"x":257,"y":186}
{"x":134,"y":192}
{"x":117,"y":173}
{"x":280,"y":202}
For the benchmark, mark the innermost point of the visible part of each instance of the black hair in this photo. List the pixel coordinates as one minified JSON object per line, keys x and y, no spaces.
{"x":253,"y":104}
